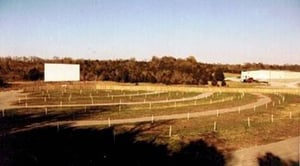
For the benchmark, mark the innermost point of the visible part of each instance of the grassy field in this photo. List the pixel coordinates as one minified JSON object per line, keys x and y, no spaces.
{"x":228,"y":131}
{"x":232,"y":132}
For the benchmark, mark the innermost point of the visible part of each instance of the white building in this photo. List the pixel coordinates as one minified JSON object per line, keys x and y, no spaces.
{"x":267,"y":75}
{"x":61,"y":72}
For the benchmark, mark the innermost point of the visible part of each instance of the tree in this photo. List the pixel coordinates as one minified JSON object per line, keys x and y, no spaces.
{"x":214,"y":82}
{"x":219,"y":74}
{"x":34,"y":74}
{"x":3,"y":84}
{"x":223,"y":83}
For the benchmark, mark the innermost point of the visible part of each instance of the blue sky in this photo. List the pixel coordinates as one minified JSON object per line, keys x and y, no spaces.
{"x":213,"y":31}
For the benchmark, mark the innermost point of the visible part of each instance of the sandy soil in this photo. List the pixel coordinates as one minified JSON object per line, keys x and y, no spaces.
{"x":288,"y":149}
{"x":8,"y":97}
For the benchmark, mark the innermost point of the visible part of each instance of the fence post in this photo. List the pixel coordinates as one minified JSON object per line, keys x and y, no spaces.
{"x":188,"y":116}
{"x":3,"y":113}
{"x":109,"y":122}
{"x":152,"y":119}
{"x":57,"y":126}
{"x":290,"y":115}
{"x":272,"y":118}
{"x":249,"y":125}
{"x":215,"y":126}
{"x":170,"y":131}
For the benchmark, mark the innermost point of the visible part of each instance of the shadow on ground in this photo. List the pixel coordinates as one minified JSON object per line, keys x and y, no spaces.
{"x":70,"y":146}
{"x":20,"y":119}
{"x":270,"y":159}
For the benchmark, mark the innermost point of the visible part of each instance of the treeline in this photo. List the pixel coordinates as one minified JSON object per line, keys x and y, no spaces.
{"x":168,"y":70}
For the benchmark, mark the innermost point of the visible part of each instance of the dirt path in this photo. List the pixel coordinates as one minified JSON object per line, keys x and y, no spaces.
{"x":261,"y":101}
{"x":288,"y":149}
{"x":8,"y":97}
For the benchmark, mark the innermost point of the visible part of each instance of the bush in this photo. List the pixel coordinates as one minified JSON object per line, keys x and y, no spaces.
{"x":3,"y":84}
{"x":223,"y":83}
{"x":34,"y":74}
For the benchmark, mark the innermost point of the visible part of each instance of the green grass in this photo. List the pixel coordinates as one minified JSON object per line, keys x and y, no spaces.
{"x":232,"y":75}
{"x":232,"y":128}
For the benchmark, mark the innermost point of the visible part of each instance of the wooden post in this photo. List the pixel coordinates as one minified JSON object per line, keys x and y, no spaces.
{"x":290,"y":115}
{"x":114,"y":136}
{"x":84,"y":108}
{"x":120,"y":108}
{"x":152,"y":119}
{"x":254,"y":107}
{"x":217,"y":113}
{"x":266,"y":105}
{"x":46,"y":111}
{"x":60,"y":103}
{"x":273,"y":103}
{"x":57,"y":127}
{"x":249,"y":125}
{"x":19,"y":100}
{"x":45,"y":99}
{"x":188,"y":116}
{"x":109,"y":122}
{"x":170,"y":131}
{"x":3,"y":113}
{"x":272,"y":118}
{"x":239,"y":110}
{"x":175,"y":104}
{"x":215,"y":126}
